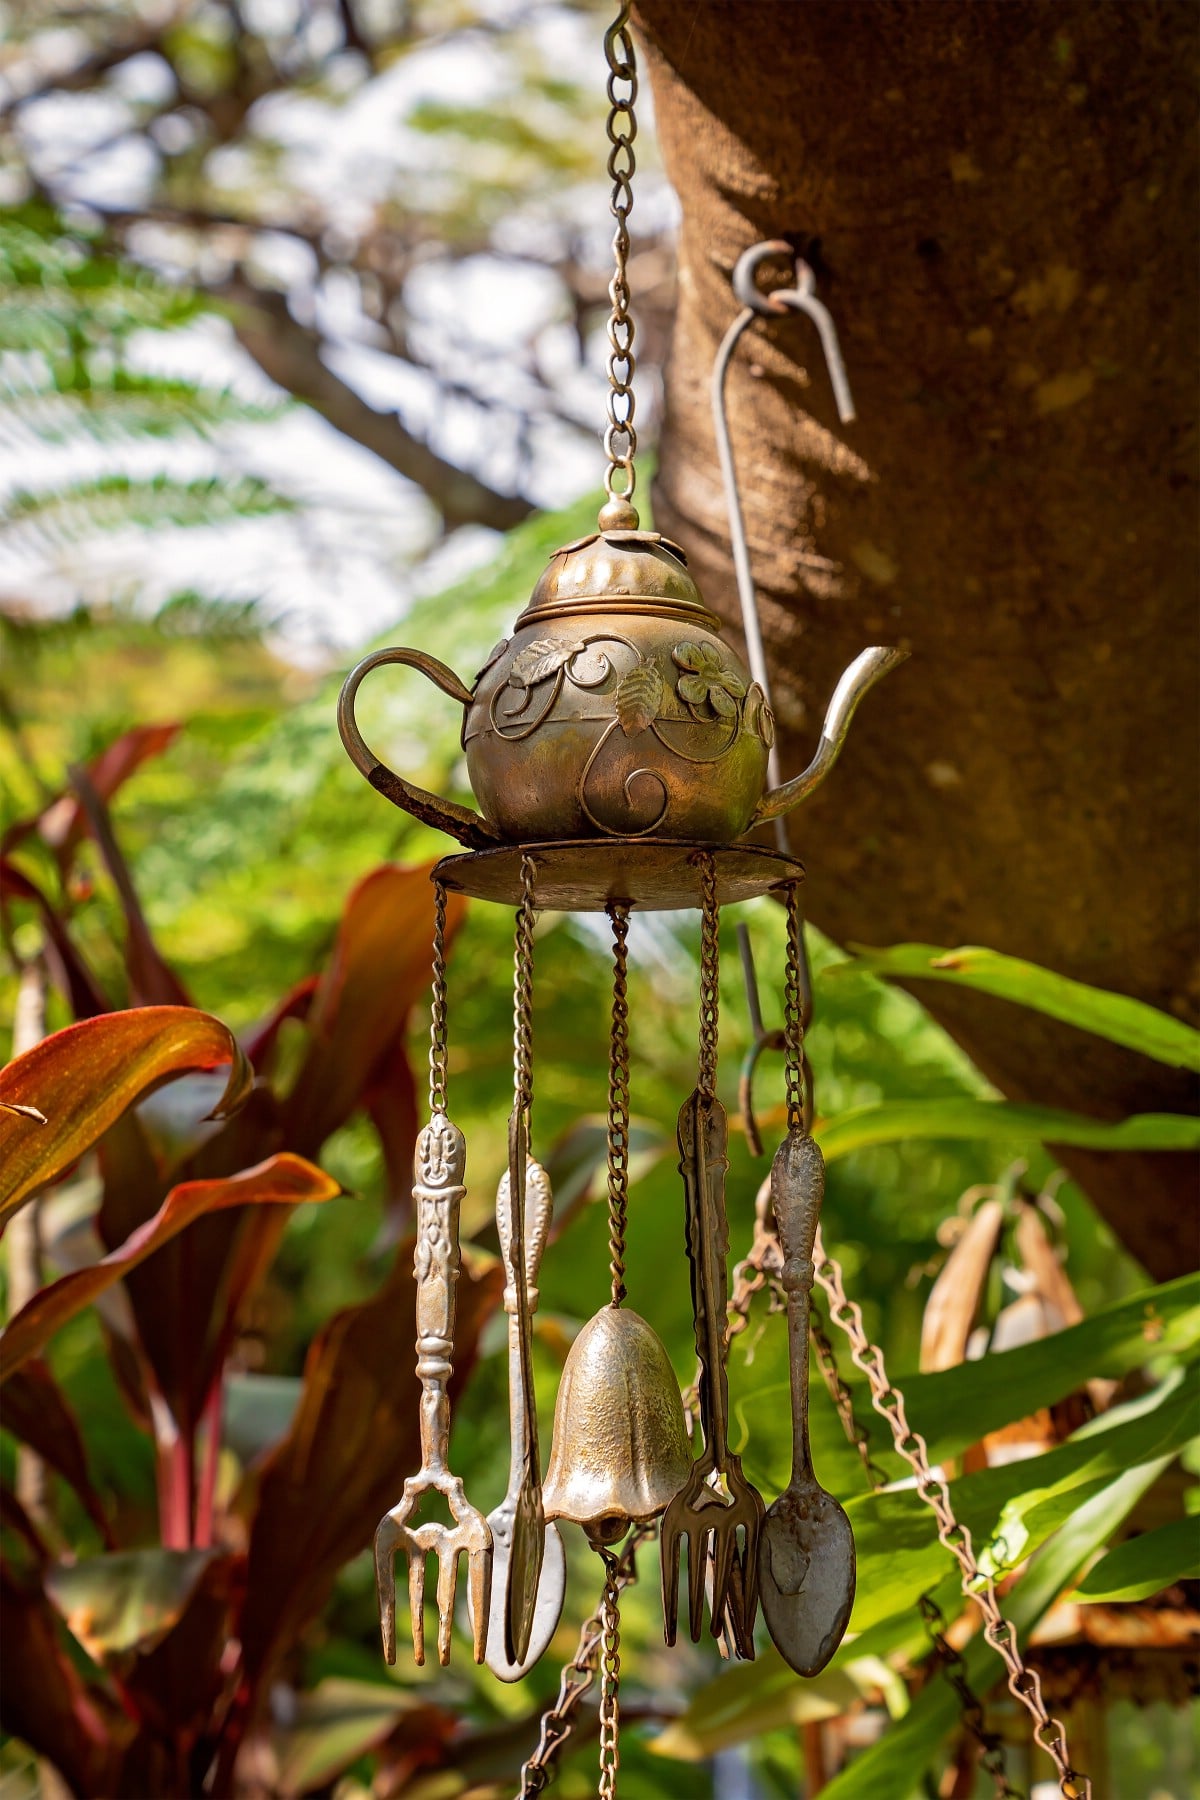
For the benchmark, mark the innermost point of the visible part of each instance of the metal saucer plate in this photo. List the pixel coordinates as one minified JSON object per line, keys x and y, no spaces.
{"x":591,"y":874}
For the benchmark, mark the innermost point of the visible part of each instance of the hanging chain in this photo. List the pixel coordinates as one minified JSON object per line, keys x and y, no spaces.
{"x":523,"y":997}
{"x":620,"y":438}
{"x":1024,"y":1683}
{"x":618,"y":1104}
{"x":797,"y":1013}
{"x":579,"y":1675}
{"x":953,"y":1666}
{"x":610,"y":1678}
{"x":437,"y":1028}
{"x":710,"y":972}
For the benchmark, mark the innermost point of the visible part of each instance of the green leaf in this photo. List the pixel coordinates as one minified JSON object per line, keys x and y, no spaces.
{"x":127,"y":1601}
{"x":995,"y":1121}
{"x":258,"y":1411}
{"x":891,"y":1768}
{"x":1117,"y":1017}
{"x":956,"y":1407}
{"x":333,"y":1726}
{"x":1146,"y":1564}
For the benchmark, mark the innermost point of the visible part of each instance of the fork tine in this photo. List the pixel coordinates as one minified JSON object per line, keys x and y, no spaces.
{"x":669,"y":1558}
{"x":386,"y":1539}
{"x":479,"y":1588}
{"x":416,"y":1601}
{"x":697,"y":1561}
{"x":724,"y":1549}
{"x":748,"y":1568}
{"x":446,"y":1585}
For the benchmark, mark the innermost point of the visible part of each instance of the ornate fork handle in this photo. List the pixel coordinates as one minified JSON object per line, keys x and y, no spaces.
{"x":703,"y":1145}
{"x":438,"y":1190}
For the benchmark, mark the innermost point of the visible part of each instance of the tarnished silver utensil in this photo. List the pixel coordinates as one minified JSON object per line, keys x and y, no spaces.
{"x":551,"y":1584}
{"x":806,"y":1560}
{"x":717,"y":1501}
{"x":438,"y":1191}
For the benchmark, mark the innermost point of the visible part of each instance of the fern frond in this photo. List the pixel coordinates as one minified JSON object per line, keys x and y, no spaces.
{"x":52,"y":402}
{"x":65,"y":516}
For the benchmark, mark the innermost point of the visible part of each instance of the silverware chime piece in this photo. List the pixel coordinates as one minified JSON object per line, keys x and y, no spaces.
{"x":620,"y":753}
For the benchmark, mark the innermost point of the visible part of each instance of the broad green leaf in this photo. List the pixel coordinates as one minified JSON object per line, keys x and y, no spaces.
{"x":281,"y":1180}
{"x":1117,"y":1017}
{"x":997,"y":1121}
{"x":129,"y":1600}
{"x":753,"y":1697}
{"x":334,"y":1725}
{"x":1146,"y":1564}
{"x":956,"y":1407}
{"x":892,"y":1768}
{"x":84,"y":1077}
{"x":258,"y":1410}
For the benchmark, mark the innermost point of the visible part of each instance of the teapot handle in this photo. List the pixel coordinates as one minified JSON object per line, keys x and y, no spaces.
{"x":446,"y":815}
{"x":866,"y":669}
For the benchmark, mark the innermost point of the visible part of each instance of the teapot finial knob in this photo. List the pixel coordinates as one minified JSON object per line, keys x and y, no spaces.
{"x":618,"y":514}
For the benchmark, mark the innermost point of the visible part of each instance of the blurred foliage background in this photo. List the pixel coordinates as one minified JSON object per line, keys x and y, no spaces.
{"x":209,"y":199}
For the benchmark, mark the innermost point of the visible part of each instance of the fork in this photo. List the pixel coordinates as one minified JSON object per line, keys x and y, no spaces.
{"x":438,"y":1192}
{"x":716,"y":1501}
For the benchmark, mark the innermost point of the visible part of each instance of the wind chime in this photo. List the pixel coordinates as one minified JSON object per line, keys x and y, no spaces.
{"x":621,"y":754}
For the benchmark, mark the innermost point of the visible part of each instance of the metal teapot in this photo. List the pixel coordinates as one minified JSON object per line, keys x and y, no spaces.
{"x":615,"y":710}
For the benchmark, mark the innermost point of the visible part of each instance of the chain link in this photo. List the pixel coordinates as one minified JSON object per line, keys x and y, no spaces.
{"x":579,"y":1675}
{"x":954,"y":1668}
{"x":620,"y":438}
{"x":437,"y":1027}
{"x":618,"y":1103}
{"x":797,"y":1013}
{"x":610,"y":1678}
{"x":710,"y":977}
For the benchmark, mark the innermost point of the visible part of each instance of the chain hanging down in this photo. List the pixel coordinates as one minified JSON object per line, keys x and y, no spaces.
{"x":610,"y":1679}
{"x":437,"y":1025}
{"x":618,"y":1104}
{"x":620,"y":437}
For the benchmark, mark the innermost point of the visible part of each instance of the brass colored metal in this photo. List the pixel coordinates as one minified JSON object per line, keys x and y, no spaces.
{"x":620,"y":1450}
{"x":551,"y":1587}
{"x":620,"y":438}
{"x":645,"y":874}
{"x":806,"y":1549}
{"x":618,"y":1105}
{"x":716,"y":1502}
{"x":610,"y":1678}
{"x":615,"y":710}
{"x":527,"y":1524}
{"x":438,"y":1193}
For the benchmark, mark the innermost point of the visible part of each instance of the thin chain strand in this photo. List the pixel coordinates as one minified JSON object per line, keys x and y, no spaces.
{"x":799,"y":1090}
{"x":1024,"y":1684}
{"x":437,"y":1027}
{"x":954,"y":1669}
{"x":578,"y":1677}
{"x":523,"y":995}
{"x":620,"y":438}
{"x":618,"y":1104}
{"x":710,"y":972}
{"x":610,"y":1679}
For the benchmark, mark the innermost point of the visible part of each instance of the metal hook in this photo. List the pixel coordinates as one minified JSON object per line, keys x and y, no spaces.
{"x":801,"y":298}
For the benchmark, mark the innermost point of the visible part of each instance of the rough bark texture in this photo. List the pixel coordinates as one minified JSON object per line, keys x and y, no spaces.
{"x":1005,"y":201}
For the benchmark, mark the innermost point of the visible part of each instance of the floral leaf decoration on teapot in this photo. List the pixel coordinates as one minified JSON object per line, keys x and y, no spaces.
{"x":707,"y":681}
{"x":539,"y":660}
{"x":638,"y":698}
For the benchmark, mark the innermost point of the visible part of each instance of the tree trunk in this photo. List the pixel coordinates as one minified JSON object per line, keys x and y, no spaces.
{"x":1003,"y":200}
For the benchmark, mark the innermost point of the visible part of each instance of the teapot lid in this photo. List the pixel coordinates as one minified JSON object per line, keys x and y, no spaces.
{"x":618,"y":571}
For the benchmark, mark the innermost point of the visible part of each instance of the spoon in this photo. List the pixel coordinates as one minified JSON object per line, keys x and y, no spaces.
{"x":806,"y":1563}
{"x":505,"y":1655}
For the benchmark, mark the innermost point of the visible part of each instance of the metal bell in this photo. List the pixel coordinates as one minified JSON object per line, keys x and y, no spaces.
{"x":620,"y":1452}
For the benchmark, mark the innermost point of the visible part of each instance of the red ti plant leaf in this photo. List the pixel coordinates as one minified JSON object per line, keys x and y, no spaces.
{"x":84,"y":1077}
{"x":46,"y":1702}
{"x":63,"y":823}
{"x":355,"y":1438}
{"x":282,"y":1180}
{"x":380,"y":965}
{"x":68,"y":969}
{"x":34,"y":1410}
{"x":151,"y":981}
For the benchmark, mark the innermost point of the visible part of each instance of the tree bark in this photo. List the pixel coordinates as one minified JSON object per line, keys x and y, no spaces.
{"x":1002,"y":198}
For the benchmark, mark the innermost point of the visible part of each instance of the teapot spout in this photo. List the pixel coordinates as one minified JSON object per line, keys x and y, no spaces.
{"x":863,"y":673}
